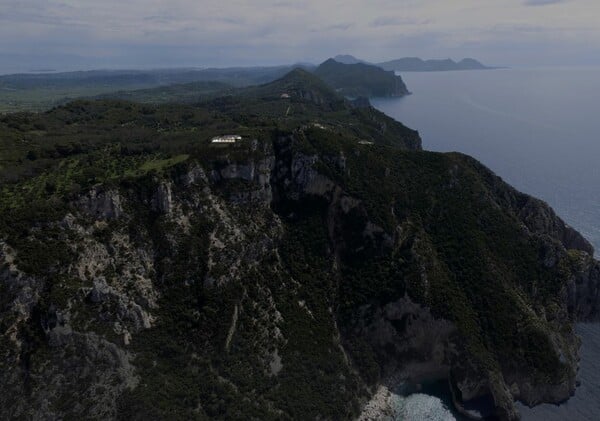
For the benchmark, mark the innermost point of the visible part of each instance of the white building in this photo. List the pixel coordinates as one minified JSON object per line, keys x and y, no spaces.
{"x":229,"y":138}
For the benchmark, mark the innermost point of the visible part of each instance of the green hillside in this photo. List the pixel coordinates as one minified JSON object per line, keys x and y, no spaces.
{"x":148,"y":273}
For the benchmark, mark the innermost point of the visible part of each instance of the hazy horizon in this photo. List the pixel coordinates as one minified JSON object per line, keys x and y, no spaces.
{"x":74,"y":35}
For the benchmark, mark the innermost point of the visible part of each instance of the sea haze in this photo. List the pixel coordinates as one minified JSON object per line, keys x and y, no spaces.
{"x":539,"y":129}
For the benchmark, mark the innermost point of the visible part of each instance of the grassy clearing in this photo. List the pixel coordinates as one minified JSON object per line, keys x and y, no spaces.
{"x":161,"y":164}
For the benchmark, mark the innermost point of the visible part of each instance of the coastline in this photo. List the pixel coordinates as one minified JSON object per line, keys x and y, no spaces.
{"x":379,"y":408}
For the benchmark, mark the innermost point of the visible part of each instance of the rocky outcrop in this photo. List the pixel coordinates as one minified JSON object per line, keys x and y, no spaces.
{"x":583,"y":288}
{"x":162,"y":201}
{"x":294,"y":176}
{"x":410,"y":342}
{"x":104,"y":204}
{"x":541,"y":219}
{"x":100,"y":368}
{"x":257,"y":173}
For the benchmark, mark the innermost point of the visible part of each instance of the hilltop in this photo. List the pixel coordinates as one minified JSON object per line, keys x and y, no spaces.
{"x":348,"y":59}
{"x":360,"y":79}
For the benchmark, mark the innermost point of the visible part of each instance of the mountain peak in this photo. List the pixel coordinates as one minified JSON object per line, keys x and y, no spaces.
{"x":299,"y":84}
{"x":300,"y":78}
{"x":347,"y":59}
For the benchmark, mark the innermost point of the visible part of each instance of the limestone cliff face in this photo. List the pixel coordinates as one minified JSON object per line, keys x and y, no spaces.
{"x":583,"y":288}
{"x":290,"y":281}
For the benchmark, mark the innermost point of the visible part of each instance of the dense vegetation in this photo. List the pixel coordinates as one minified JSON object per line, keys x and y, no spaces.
{"x":148,"y":273}
{"x":361,"y":79}
{"x":192,"y":92}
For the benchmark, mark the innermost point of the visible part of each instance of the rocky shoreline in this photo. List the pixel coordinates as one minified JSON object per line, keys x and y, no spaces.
{"x":379,"y":408}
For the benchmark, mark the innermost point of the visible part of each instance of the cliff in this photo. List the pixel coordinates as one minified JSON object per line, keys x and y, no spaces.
{"x":348,"y":59}
{"x":147,"y":273}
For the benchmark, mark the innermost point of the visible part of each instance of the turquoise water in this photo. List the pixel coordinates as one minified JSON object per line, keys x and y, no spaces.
{"x":432,"y":402}
{"x":539,"y":129}
{"x":420,"y":406}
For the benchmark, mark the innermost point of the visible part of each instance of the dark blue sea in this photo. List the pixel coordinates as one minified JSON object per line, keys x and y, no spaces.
{"x":539,"y":129}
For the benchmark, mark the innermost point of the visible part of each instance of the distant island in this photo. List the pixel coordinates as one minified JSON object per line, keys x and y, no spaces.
{"x":415,"y":64}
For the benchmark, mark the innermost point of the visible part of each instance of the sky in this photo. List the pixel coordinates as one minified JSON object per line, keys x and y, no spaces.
{"x":200,"y":33}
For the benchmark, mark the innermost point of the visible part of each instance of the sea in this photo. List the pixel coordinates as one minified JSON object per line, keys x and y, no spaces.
{"x":538,"y":129}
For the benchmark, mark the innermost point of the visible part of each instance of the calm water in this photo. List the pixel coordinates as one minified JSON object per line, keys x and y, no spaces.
{"x":539,"y":129}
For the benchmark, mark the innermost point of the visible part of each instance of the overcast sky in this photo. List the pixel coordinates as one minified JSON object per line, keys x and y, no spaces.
{"x":170,"y":33}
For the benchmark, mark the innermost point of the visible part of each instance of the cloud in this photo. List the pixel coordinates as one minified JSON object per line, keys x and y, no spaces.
{"x":231,"y":32}
{"x":338,"y":27}
{"x":542,"y":2}
{"x":383,"y":21}
{"x":387,"y":21}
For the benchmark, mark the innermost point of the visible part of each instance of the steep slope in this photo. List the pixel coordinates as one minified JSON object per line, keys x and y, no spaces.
{"x":147,"y":273}
{"x":360,"y":79}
